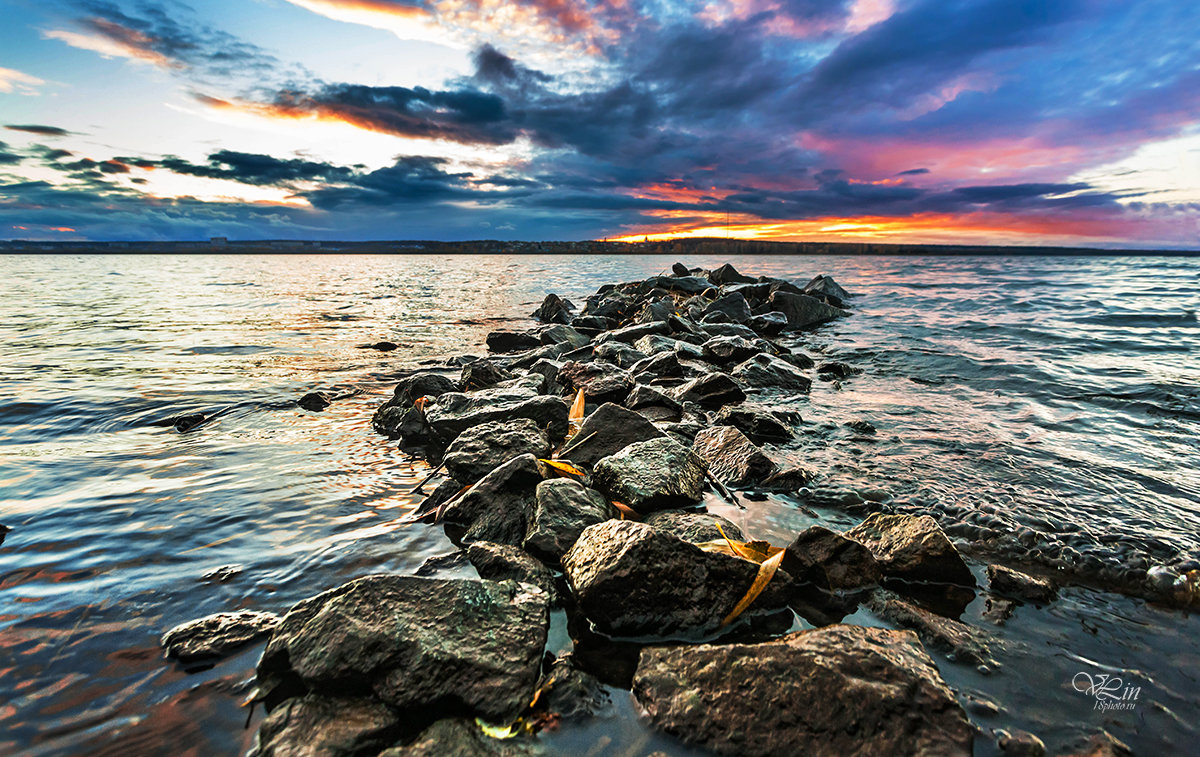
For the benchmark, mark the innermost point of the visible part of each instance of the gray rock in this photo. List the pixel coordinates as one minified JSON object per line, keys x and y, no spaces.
{"x":548,"y":370}
{"x":730,"y":349}
{"x":571,"y":693}
{"x":1021,"y":744}
{"x":731,"y":457}
{"x":653,"y":344}
{"x":1013,"y":583}
{"x":831,"y":691}
{"x":632,"y":579}
{"x":478,"y":451}
{"x":679,"y":269}
{"x":768,"y":324}
{"x":329,"y":726}
{"x":608,"y":430}
{"x":560,"y":334}
{"x":481,"y":374}
{"x":592,"y":324}
{"x":601,"y":382}
{"x":497,"y":507}
{"x":454,"y":413}
{"x":553,"y":310}
{"x":803,"y":311}
{"x":760,"y":426}
{"x":652,"y":475}
{"x":315,"y":401}
{"x":835,"y":369}
{"x":960,"y":642}
{"x":1103,"y":744}
{"x":732,"y":306}
{"x":425,"y":646}
{"x":504,"y":562}
{"x":564,"y":508}
{"x":631,"y":334}
{"x":459,"y":737}
{"x":729,"y":329}
{"x":218,"y":635}
{"x":685,"y":284}
{"x":692,"y":526}
{"x":711,"y":391}
{"x":619,"y":354}
{"x":658,"y":310}
{"x":393,"y":414}
{"x":912,"y":549}
{"x":511,"y":341}
{"x":830,"y":561}
{"x":768,"y":371}
{"x":647,"y":396}
{"x":727,"y":274}
{"x":824,"y":285}
{"x":660,"y":365}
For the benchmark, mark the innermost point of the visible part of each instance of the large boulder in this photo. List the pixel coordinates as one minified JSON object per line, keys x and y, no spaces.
{"x":392,"y":415}
{"x":563,"y":509}
{"x":823,"y":285}
{"x":218,"y":635}
{"x":727,"y":274}
{"x":331,"y":726}
{"x":423,"y":646}
{"x":553,"y":310}
{"x":497,"y":507}
{"x":631,"y":579}
{"x":600,"y":382}
{"x":608,"y":430}
{"x":732,"y":307}
{"x":830,"y":561}
{"x":653,"y":475}
{"x":478,"y":451}
{"x":912,"y":549}
{"x":729,"y":349}
{"x":512,"y":341}
{"x":767,"y":371}
{"x":694,"y":526}
{"x":832,"y":691}
{"x":760,"y":426}
{"x":504,"y":562}
{"x":454,"y":413}
{"x":711,"y":391}
{"x":802,"y":310}
{"x":731,"y":457}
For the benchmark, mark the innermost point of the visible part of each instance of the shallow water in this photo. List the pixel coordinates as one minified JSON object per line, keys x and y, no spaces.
{"x":1044,"y":408}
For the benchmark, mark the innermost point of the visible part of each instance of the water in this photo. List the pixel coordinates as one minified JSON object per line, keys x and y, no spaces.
{"x":1044,"y":409}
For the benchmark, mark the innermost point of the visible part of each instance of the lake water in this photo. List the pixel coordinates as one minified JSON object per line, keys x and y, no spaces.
{"x":1046,"y":410}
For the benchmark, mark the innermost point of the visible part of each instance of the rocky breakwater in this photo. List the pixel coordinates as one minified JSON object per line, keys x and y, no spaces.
{"x":575,"y":463}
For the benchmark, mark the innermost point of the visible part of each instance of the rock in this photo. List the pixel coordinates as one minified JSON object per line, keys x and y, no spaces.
{"x":862,"y":427}
{"x":727,"y":274}
{"x":497,"y":507}
{"x":959,"y":641}
{"x":524,"y":360}
{"x":380,"y":346}
{"x":760,"y":426}
{"x":831,"y":691}
{"x":631,"y":579}
{"x":218,"y":575}
{"x":481,"y":374}
{"x":732,"y":306}
{"x":631,"y":334}
{"x":478,"y":451}
{"x":803,"y":311}
{"x":619,"y":354}
{"x":553,"y":310}
{"x":652,"y":475}
{"x":441,"y":494}
{"x":1103,"y":744}
{"x":835,"y":369}
{"x":648,"y":396}
{"x":824,"y":285}
{"x":426,"y":647}
{"x":459,"y":737}
{"x":654,"y":344}
{"x":185,"y":423}
{"x":570,"y":693}
{"x":315,"y":401}
{"x":592,"y":324}
{"x":798,"y":359}
{"x":692,"y":526}
{"x":454,"y":413}
{"x":790,"y":479}
{"x":729,"y":349}
{"x":501,"y":562}
{"x":600,"y":382}
{"x":712,"y":390}
{"x":608,"y":430}
{"x":685,"y":284}
{"x":768,"y":324}
{"x":729,"y":329}
{"x":731,"y":457}
{"x":659,"y":310}
{"x":563,"y":509}
{"x":661,"y":365}
{"x":3,"y":532}
{"x":548,"y":370}
{"x":326,"y":725}
{"x":560,"y":334}
{"x":512,"y":341}
{"x":768,"y":371}
{"x":912,"y":549}
{"x":830,"y":561}
{"x":679,"y":269}
{"x":1013,"y":583}
{"x":610,"y":305}
{"x":997,"y":610}
{"x":1021,"y":744}
{"x":218,"y":635}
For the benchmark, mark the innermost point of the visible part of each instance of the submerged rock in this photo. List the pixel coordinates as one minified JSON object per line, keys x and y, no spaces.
{"x":608,"y":430}
{"x":481,"y":449}
{"x":651,"y":475}
{"x":953,"y":637}
{"x":633,"y":579}
{"x":571,"y":693}
{"x":218,"y":635}
{"x":803,"y":311}
{"x":768,"y":371}
{"x":731,"y":457}
{"x":912,"y":549}
{"x":832,"y":691}
{"x":830,"y":561}
{"x":315,"y":401}
{"x":694,"y":526}
{"x":427,"y":647}
{"x":330,"y":726}
{"x":563,"y":509}
{"x":1013,"y":583}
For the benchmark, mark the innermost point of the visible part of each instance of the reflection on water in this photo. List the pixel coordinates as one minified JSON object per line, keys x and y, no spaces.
{"x":1049,"y":406}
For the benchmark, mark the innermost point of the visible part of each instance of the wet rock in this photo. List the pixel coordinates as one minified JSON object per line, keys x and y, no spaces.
{"x":768,"y":324}
{"x":220,"y":575}
{"x":1103,"y":744}
{"x":798,"y":359}
{"x":460,"y":737}
{"x":654,"y":344}
{"x":727,"y":274}
{"x":679,"y":269}
{"x":1020,"y":744}
{"x":652,"y":475}
{"x":619,"y":354}
{"x":447,"y":490}
{"x":862,"y":427}
{"x":912,"y":549}
{"x":500,"y":562}
{"x":497,"y":507}
{"x":712,"y":390}
{"x":685,"y":284}
{"x":443,"y":563}
{"x":454,"y":413}
{"x":661,"y":365}
{"x":592,"y":324}
{"x":730,"y":329}
{"x":569,"y":693}
{"x":560,"y":334}
{"x":481,"y":374}
{"x":480,"y":450}
{"x":600,"y":382}
{"x":693,"y":526}
{"x":801,"y":310}
{"x":824,"y":285}
{"x":523,"y":360}
{"x":830,"y":561}
{"x":424,"y":646}
{"x":548,"y":370}
{"x":959,"y":641}
{"x":835,"y":369}
{"x":315,"y":401}
{"x":648,"y":396}
{"x":392,"y":414}
{"x":631,"y":334}
{"x":3,"y":532}
{"x":760,"y":426}
{"x":789,"y":479}
{"x":659,"y":310}
{"x":512,"y":341}
{"x":218,"y":635}
{"x":563,"y":509}
{"x":997,"y":610}
{"x":832,"y":691}
{"x":325,"y":725}
{"x":1013,"y":583}
{"x":553,"y":310}
{"x":731,"y":457}
{"x":608,"y":430}
{"x":768,"y":371}
{"x":632,"y":579}
{"x":729,"y":349}
{"x":732,"y":306}
{"x":185,"y":423}
{"x":611,"y":305}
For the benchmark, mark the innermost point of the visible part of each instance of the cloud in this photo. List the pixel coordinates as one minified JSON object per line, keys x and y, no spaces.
{"x":45,"y":131}
{"x":7,"y":157}
{"x":252,"y":168}
{"x":13,"y":81}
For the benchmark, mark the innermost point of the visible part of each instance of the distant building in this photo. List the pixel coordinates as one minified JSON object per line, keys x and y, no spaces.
{"x":219,"y":241}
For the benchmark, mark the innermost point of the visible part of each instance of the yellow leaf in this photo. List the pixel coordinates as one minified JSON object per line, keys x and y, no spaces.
{"x":766,"y":571}
{"x":575,"y":416}
{"x":497,"y":731}
{"x":562,"y":467}
{"x":627,"y":512}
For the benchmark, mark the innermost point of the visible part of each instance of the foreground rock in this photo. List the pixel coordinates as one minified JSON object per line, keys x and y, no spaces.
{"x":759,"y":426}
{"x":217,"y":636}
{"x":956,"y":639}
{"x":830,"y":561}
{"x":454,"y":413}
{"x":712,"y":390}
{"x":1013,"y":583}
{"x":319,"y":725}
{"x":696,"y":527}
{"x":803,"y":311}
{"x":731,"y":457}
{"x":652,"y":475}
{"x":631,"y":579}
{"x":564,"y":508}
{"x":504,"y":562}
{"x":833,"y":691}
{"x":912,"y":549}
{"x":478,"y":451}
{"x":497,"y":507}
{"x":608,"y":430}
{"x":423,"y":646}
{"x":769,"y":372}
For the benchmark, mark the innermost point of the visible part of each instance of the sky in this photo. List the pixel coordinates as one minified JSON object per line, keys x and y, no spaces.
{"x":1065,"y":122}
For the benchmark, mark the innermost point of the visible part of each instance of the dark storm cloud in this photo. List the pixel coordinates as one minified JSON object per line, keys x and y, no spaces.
{"x":412,"y":180}
{"x":8,"y":158}
{"x":45,"y":131}
{"x":913,"y":172}
{"x":251,"y":168}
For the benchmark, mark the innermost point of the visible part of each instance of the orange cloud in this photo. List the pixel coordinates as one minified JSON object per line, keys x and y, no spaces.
{"x":114,"y":41}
